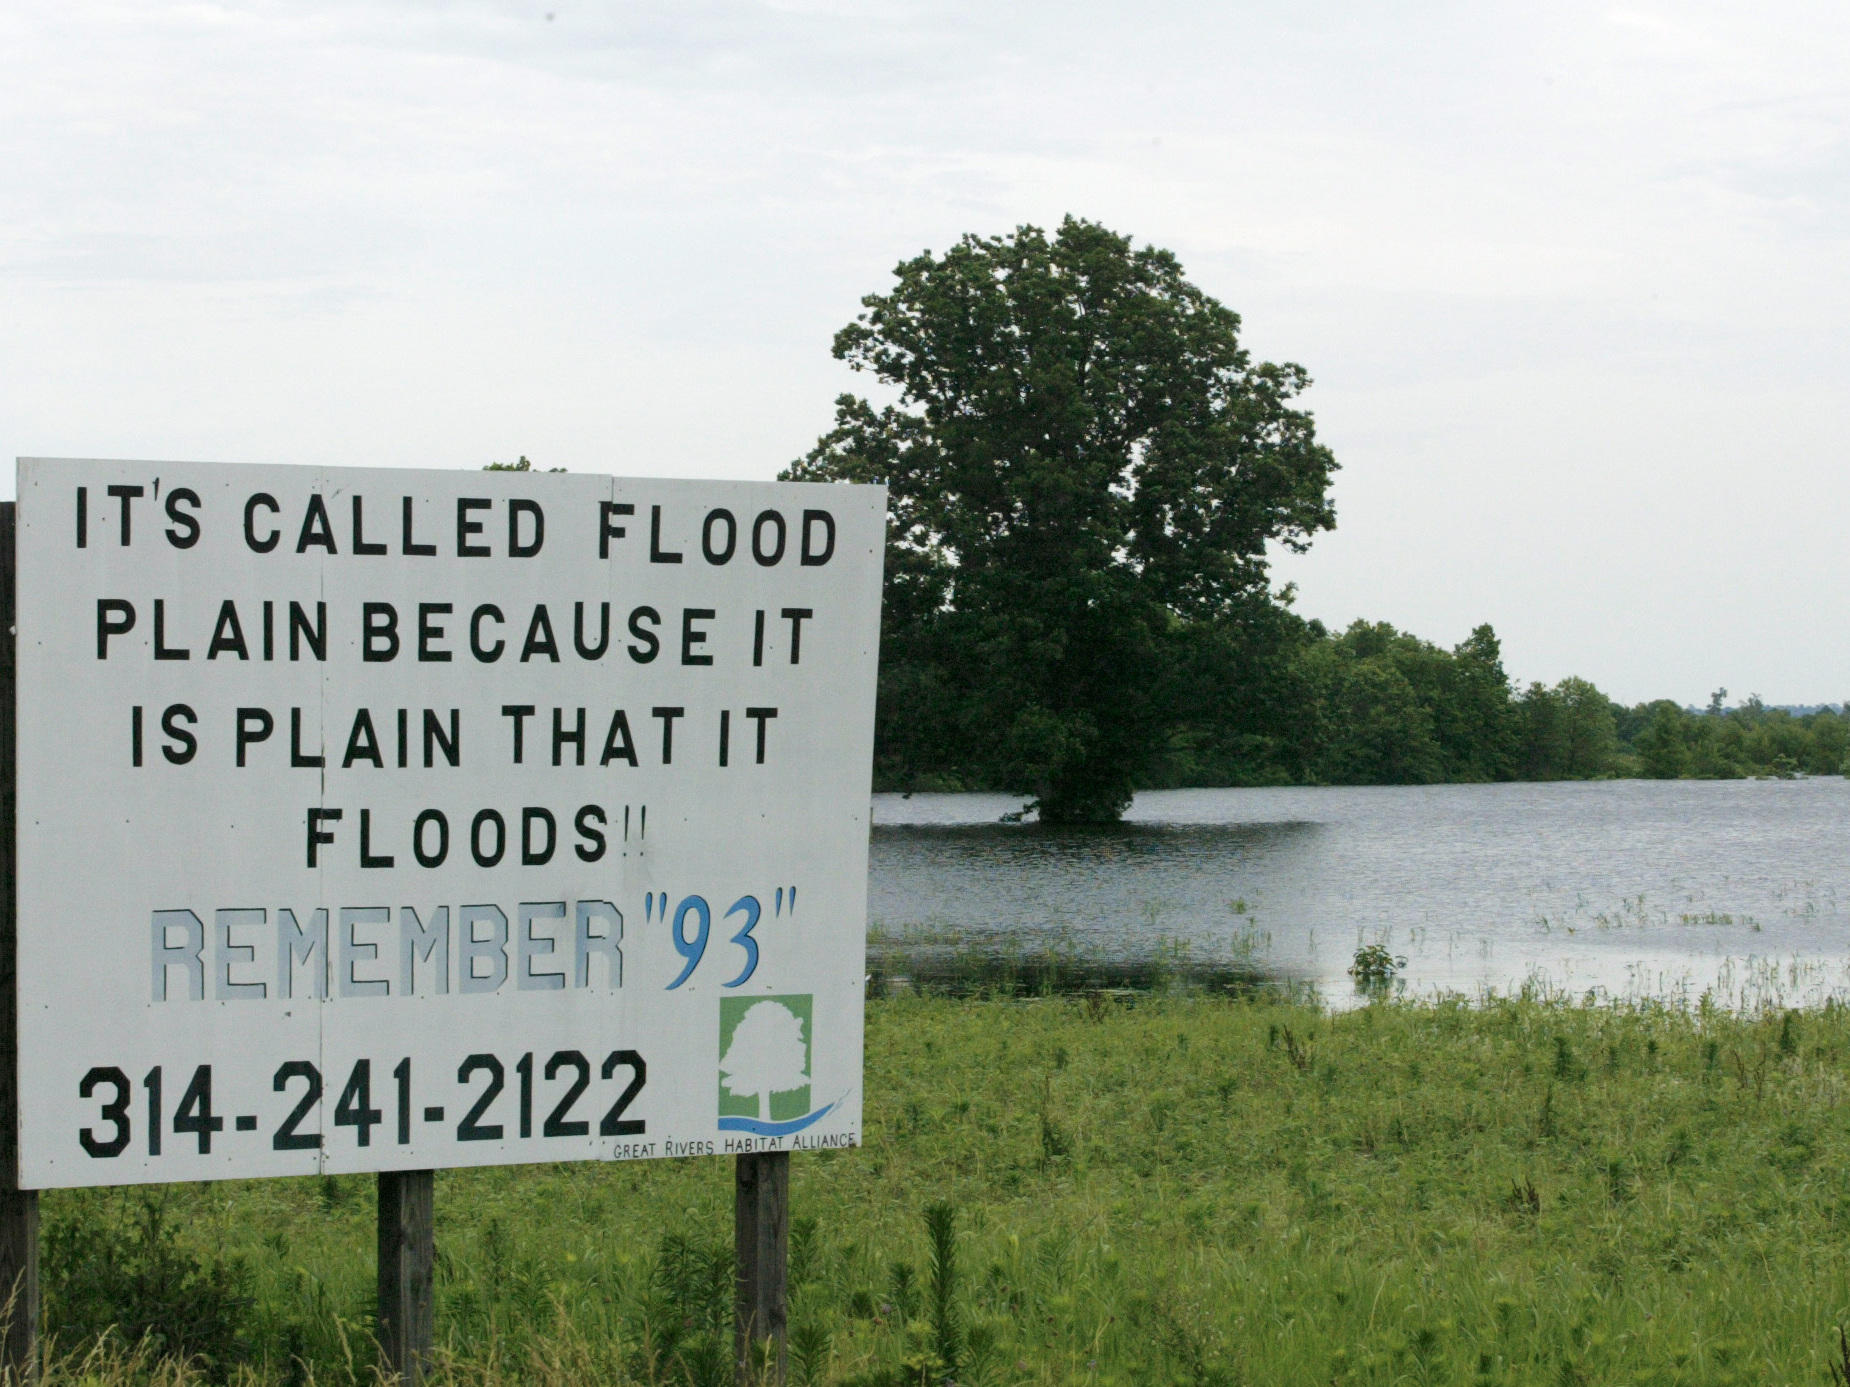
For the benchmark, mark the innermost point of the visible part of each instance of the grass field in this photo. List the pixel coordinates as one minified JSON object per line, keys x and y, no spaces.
{"x":1171,"y":1189}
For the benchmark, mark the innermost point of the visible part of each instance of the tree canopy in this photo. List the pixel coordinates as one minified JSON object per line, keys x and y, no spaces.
{"x":1084,"y":471}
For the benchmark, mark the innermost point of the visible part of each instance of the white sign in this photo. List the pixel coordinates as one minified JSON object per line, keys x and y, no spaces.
{"x":376,"y":820}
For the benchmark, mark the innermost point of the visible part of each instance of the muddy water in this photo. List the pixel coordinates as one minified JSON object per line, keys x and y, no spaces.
{"x":1669,"y":889}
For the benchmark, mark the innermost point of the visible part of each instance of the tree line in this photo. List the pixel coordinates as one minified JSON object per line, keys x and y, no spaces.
{"x":1377,"y":706}
{"x":1372,"y":705}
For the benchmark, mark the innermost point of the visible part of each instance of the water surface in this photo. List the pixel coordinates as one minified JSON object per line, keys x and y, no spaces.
{"x":1663,"y":888}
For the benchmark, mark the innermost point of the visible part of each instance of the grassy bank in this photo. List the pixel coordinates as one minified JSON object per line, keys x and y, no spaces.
{"x":1179,"y":1189}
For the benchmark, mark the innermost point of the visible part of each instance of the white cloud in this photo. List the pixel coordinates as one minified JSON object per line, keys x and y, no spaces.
{"x":1571,"y":278}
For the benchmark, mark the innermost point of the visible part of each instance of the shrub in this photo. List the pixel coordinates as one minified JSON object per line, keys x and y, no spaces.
{"x":116,"y":1269}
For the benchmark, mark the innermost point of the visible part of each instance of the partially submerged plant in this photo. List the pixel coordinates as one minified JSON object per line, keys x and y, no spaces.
{"x":1375,"y":967}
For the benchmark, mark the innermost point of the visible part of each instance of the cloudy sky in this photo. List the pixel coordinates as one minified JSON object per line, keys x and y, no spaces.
{"x":1572,"y":279}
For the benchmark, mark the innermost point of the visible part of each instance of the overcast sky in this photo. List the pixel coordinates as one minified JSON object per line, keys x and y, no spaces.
{"x":1572,"y":279}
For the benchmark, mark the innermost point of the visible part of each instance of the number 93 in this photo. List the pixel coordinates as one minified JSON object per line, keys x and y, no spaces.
{"x":693,"y":946}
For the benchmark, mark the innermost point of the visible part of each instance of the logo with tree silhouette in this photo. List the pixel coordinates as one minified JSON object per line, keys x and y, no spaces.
{"x":765,"y":1044}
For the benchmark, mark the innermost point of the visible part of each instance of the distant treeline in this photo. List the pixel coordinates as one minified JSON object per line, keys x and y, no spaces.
{"x":1372,"y":705}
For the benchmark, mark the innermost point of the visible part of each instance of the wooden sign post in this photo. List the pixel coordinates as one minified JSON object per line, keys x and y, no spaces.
{"x":19,"y":1209}
{"x":761,"y":1243}
{"x":407,"y":1263}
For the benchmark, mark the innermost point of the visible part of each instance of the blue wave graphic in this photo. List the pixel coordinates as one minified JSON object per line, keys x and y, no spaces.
{"x":773,"y":1129}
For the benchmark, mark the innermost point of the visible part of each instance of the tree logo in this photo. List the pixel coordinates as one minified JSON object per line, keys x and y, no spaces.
{"x":765,"y":1045}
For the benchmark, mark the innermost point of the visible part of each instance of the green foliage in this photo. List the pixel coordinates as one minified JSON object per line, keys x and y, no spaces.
{"x":1387,"y":708}
{"x":1375,"y":966}
{"x":1516,"y":1192}
{"x":1569,"y":732}
{"x":1723,"y":743}
{"x":116,"y":1268}
{"x":1084,"y":471}
{"x":521,"y":466}
{"x":686,"y":1312}
{"x":1372,"y":705}
{"x":947,"y":1331}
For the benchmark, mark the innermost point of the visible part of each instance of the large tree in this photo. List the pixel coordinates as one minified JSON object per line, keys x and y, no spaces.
{"x":1084,"y":470}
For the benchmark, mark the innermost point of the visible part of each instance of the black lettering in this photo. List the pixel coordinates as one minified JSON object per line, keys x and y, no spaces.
{"x":411,"y":547}
{"x":184,"y":532}
{"x":466,"y":527}
{"x":617,"y":743}
{"x":317,"y":837}
{"x":114,"y":617}
{"x":185,"y":746}
{"x":254,"y":725}
{"x":379,"y":627}
{"x":590,"y":824}
{"x":761,"y":716}
{"x":796,"y":616}
{"x":227,"y":635}
{"x":607,"y":528}
{"x":126,"y":495}
{"x":814,"y":558}
{"x":436,"y":858}
{"x":590,"y":652}
{"x":429,"y":630}
{"x":517,"y":713}
{"x":298,"y":757}
{"x":268,"y":502}
{"x":692,"y":637}
{"x":360,"y":544}
{"x":540,"y":639}
{"x":656,"y":553}
{"x":436,"y":739}
{"x":362,"y":745}
{"x":647,"y":647}
{"x":516,"y":508}
{"x":667,"y":717}
{"x":482,"y":858}
{"x":367,"y":858}
{"x":83,"y":516}
{"x":161,"y":650}
{"x":767,"y":557}
{"x":531,"y":818}
{"x":561,"y":738}
{"x":715,"y":554}
{"x":489,"y":654}
{"x":317,"y":529}
{"x":300,"y":631}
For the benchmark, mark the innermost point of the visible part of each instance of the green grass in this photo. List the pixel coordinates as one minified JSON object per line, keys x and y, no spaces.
{"x":1183,"y":1189}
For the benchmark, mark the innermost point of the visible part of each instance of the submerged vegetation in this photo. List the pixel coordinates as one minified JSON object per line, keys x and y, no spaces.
{"x":1194,"y":1187}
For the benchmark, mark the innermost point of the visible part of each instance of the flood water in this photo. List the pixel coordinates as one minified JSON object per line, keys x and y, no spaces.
{"x":1629,"y":888}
